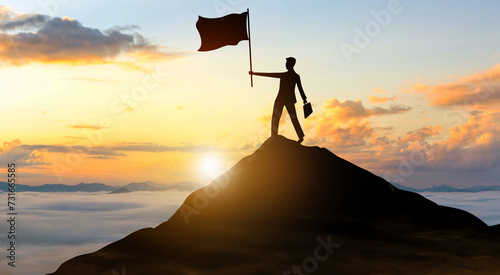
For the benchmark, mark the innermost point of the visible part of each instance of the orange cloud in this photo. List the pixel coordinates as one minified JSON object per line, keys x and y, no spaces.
{"x":480,"y":91}
{"x":420,"y":88}
{"x":345,"y":127}
{"x":353,"y":133}
{"x":7,"y":146}
{"x":480,"y":129}
{"x":422,"y":134}
{"x":14,"y":152}
{"x":472,"y":146}
{"x":376,"y":99}
{"x":346,"y":124}
{"x":379,"y":90}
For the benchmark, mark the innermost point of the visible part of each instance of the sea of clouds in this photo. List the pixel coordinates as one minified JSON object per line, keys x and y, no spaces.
{"x":484,"y":205}
{"x":54,"y":227}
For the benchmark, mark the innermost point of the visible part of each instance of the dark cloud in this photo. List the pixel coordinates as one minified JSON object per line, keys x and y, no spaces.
{"x":421,"y":134}
{"x":10,"y":20}
{"x":347,"y":110}
{"x":102,"y":157}
{"x":152,"y":147}
{"x":395,"y":109}
{"x":118,"y":28}
{"x":86,"y":150}
{"x":65,"y":40}
{"x":27,"y":22}
{"x":108,"y":151}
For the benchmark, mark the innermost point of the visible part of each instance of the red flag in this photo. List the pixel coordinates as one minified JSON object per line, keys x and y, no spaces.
{"x":219,"y":32}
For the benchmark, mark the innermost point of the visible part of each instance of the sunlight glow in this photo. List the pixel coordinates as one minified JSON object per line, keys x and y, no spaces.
{"x":211,"y":166}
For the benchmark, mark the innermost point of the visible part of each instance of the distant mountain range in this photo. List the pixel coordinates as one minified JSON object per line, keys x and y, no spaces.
{"x":99,"y":187}
{"x":192,"y":186}
{"x":447,"y":188}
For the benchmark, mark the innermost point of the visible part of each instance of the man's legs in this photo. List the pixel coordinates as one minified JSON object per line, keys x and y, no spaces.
{"x":275,"y":120}
{"x":290,"y":108}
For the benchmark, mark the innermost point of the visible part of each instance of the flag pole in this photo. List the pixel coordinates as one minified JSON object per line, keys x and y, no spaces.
{"x":249,"y":47}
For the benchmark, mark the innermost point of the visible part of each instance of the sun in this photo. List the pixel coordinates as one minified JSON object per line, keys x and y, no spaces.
{"x":211,"y":166}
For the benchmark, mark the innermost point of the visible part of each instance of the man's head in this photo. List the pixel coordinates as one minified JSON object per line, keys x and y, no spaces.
{"x":290,"y":62}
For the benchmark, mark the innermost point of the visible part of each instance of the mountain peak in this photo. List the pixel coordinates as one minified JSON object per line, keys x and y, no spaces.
{"x":269,"y":211}
{"x":283,"y":176}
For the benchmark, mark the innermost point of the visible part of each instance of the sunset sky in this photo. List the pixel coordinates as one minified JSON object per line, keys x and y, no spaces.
{"x":116,"y":92}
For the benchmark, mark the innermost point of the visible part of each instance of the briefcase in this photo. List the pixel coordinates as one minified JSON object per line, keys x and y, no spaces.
{"x":308,"y":109}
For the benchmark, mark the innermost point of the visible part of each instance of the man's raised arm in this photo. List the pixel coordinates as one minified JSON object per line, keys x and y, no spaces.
{"x":277,"y":75}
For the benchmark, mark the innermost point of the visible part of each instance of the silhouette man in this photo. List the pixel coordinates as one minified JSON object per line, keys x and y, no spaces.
{"x":286,"y":97}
